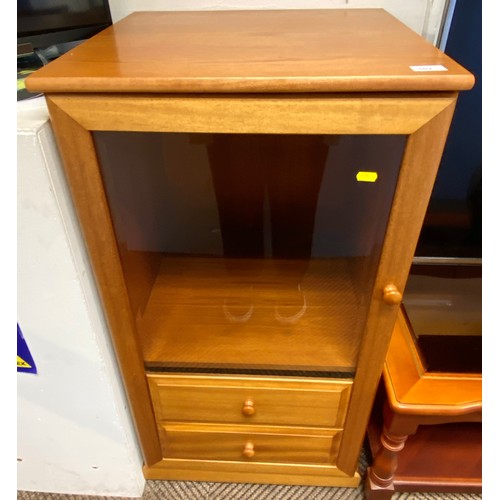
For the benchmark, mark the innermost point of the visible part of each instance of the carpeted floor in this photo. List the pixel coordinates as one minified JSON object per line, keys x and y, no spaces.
{"x":189,"y":490}
{"x":179,"y":490}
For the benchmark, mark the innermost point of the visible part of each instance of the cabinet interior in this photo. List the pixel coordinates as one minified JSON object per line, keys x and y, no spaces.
{"x":248,"y":253}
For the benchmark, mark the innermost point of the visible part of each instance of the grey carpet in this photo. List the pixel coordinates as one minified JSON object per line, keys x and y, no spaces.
{"x":184,"y":490}
{"x":190,"y":490}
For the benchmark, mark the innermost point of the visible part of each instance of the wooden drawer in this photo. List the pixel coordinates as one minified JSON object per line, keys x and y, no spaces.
{"x":249,"y":444}
{"x":250,"y":400}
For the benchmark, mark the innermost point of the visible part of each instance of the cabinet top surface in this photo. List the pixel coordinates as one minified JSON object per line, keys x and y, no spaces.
{"x":338,"y":50}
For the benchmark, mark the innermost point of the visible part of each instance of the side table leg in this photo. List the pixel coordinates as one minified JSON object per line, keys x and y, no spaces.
{"x":379,"y":477}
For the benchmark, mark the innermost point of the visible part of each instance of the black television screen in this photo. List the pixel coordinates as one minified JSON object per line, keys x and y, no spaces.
{"x":42,"y":23}
{"x":453,"y":225}
{"x":47,"y":29}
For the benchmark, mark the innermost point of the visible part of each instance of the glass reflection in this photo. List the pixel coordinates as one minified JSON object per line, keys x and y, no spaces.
{"x":444,"y":307}
{"x":249,"y":252}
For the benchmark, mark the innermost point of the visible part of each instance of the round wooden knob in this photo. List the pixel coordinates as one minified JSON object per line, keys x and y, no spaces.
{"x":392,"y":295}
{"x":248,"y":450}
{"x":248,"y":408}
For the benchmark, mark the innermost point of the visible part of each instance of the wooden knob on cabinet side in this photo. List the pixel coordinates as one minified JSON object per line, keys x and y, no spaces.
{"x":248,"y":408}
{"x":392,"y":295}
{"x":248,"y":450}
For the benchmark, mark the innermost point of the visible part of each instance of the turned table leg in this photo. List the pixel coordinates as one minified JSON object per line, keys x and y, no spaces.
{"x":378,"y":484}
{"x":379,"y":477}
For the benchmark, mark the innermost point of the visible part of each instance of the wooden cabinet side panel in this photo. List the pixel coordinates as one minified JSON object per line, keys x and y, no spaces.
{"x":82,"y":171}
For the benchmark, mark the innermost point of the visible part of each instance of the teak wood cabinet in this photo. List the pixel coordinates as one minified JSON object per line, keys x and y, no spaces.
{"x":251,"y":187}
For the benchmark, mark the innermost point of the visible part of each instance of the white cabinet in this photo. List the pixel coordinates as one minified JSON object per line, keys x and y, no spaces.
{"x":74,"y":432}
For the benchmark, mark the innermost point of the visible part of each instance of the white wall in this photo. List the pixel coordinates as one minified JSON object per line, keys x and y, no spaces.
{"x":74,"y":432}
{"x":423,"y":16}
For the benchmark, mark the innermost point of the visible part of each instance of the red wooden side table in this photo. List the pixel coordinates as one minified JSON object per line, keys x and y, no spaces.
{"x":411,"y":452}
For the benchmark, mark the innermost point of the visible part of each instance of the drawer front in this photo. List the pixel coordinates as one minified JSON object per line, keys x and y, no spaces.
{"x":198,"y":443}
{"x":249,"y":401}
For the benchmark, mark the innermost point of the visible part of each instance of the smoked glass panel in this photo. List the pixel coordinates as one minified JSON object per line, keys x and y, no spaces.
{"x":250,"y":253}
{"x":444,"y":308}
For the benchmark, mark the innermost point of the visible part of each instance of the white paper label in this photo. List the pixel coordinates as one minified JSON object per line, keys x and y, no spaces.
{"x":432,"y":67}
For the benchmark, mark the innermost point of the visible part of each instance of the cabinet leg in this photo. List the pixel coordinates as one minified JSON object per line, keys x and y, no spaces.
{"x":379,"y":478}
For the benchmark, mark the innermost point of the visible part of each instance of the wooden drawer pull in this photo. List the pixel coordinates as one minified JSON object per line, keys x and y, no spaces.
{"x":392,"y":295}
{"x":248,"y":450}
{"x":248,"y":408}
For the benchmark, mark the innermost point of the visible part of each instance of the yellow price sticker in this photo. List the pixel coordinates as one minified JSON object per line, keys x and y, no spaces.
{"x":366,"y":176}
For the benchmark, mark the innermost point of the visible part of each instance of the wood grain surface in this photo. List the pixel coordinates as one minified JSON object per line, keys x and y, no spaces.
{"x":334,"y":50}
{"x":413,"y":390}
{"x":247,"y":471}
{"x":82,"y":170}
{"x":418,"y":172}
{"x":220,"y":399}
{"x":200,"y":313}
{"x":215,"y":442}
{"x":383,"y":113}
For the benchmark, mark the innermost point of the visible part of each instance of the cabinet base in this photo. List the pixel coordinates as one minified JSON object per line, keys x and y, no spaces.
{"x":241,"y":472}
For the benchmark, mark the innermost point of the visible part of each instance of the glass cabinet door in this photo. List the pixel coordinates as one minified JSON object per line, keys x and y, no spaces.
{"x":250,"y":253}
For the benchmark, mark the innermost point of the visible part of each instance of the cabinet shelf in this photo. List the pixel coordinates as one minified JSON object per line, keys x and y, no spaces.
{"x":251,"y":314}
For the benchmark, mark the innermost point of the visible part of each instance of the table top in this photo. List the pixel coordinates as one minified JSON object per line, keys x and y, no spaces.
{"x":336,"y":50}
{"x":413,"y":390}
